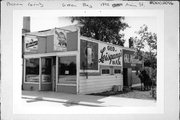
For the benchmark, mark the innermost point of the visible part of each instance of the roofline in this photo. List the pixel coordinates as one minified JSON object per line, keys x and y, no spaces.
{"x":41,"y":31}
{"x":98,"y":41}
{"x":83,"y":37}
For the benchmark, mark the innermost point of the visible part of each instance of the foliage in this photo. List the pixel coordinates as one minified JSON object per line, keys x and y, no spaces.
{"x":150,"y":60}
{"x":146,"y":40}
{"x":105,"y":29}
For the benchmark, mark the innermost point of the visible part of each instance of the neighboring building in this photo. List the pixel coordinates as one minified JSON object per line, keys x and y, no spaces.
{"x":62,"y":60}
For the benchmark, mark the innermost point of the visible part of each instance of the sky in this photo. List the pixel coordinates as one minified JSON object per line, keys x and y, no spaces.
{"x":43,"y":23}
{"x":135,"y":23}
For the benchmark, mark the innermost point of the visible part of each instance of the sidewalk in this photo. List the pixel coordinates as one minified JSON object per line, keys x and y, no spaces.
{"x":83,"y":100}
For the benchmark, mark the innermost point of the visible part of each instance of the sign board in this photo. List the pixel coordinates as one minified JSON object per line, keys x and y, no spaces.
{"x":88,"y":55}
{"x":109,"y":55}
{"x":60,"y":40}
{"x":30,"y":43}
{"x":129,"y":60}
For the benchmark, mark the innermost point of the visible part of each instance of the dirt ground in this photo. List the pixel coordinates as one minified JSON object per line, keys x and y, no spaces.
{"x":137,"y":94}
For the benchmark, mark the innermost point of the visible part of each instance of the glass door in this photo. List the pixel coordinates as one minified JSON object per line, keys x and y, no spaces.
{"x":46,"y":73}
{"x":67,"y":74}
{"x":67,"y":70}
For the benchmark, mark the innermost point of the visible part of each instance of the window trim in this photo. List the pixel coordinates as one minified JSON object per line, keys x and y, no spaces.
{"x":63,"y":84}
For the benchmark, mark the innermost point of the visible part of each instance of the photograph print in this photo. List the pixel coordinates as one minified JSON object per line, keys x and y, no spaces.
{"x":97,"y":61}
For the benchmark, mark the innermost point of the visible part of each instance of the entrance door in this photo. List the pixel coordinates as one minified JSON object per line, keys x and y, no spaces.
{"x":125,"y":77}
{"x":54,"y":65}
{"x":67,"y":74}
{"x":46,"y":74}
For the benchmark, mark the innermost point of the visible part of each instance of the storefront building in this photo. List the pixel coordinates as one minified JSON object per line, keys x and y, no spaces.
{"x":64,"y":61}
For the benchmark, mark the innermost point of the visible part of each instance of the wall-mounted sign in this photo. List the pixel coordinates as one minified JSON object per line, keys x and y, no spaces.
{"x":30,"y":43}
{"x":88,"y":55}
{"x":110,"y":55}
{"x":60,"y":40}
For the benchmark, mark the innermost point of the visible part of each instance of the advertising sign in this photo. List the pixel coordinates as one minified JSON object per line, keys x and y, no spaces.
{"x":60,"y":40}
{"x":31,"y":43}
{"x":88,"y":55}
{"x":109,"y":55}
{"x":129,"y":59}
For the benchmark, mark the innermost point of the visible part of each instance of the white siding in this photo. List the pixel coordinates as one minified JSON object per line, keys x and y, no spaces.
{"x":96,"y":84}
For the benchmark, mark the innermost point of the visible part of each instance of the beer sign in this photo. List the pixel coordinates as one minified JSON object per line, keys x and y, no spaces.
{"x":110,"y":55}
{"x":31,"y":43}
{"x":60,"y":40}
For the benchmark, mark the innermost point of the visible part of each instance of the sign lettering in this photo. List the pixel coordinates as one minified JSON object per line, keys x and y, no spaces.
{"x":31,"y":43}
{"x":110,"y":55}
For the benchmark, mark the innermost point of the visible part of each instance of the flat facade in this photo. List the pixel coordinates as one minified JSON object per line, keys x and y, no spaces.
{"x":63,"y":61}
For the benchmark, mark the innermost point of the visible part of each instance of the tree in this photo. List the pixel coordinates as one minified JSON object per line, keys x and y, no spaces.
{"x":105,"y":29}
{"x":139,"y":46}
{"x":146,"y":40}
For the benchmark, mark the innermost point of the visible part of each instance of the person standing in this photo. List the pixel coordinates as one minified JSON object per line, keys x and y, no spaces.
{"x":141,"y":77}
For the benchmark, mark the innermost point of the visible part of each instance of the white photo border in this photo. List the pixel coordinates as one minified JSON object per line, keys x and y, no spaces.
{"x":167,"y":13}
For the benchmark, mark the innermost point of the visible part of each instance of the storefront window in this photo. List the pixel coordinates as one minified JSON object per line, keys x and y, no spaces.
{"x":67,"y":70}
{"x":32,"y":70}
{"x":46,"y":69}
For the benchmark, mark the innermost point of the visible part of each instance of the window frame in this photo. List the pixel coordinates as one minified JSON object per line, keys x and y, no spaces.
{"x":44,"y":74}
{"x":67,"y":84}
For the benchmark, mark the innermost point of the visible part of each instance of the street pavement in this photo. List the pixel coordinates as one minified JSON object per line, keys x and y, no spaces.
{"x":67,"y":100}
